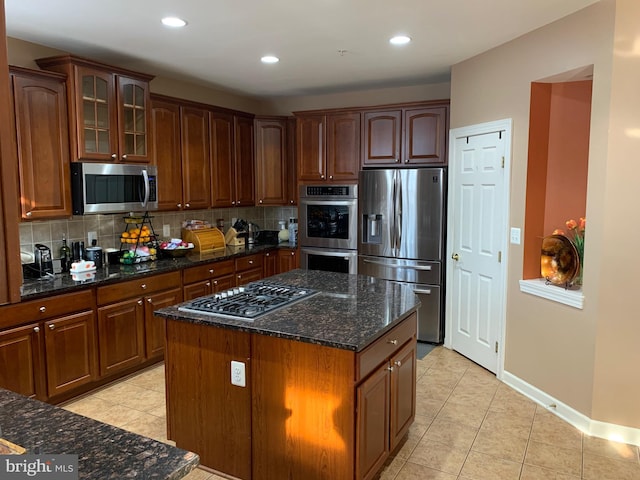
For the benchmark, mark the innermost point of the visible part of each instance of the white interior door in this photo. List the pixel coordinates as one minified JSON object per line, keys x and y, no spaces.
{"x":478,"y":211}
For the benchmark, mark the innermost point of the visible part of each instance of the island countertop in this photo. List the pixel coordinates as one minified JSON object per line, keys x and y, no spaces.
{"x":104,"y":452}
{"x":350,"y":312}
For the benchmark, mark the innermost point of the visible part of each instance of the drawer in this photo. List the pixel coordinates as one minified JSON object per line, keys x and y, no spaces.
{"x":49,"y":307}
{"x":383,"y":348}
{"x":207,"y":271}
{"x":249,"y":262}
{"x":139,"y":287}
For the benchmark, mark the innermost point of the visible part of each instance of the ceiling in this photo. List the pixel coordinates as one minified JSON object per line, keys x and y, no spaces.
{"x":324,"y":46}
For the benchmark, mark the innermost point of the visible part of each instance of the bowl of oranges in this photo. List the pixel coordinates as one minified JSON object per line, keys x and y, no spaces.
{"x":137,"y":235}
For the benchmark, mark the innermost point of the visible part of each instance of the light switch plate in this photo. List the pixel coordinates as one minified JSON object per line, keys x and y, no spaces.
{"x":515,"y":236}
{"x":238,"y":374}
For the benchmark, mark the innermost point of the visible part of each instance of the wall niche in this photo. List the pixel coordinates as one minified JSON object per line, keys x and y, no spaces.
{"x":559,"y":124}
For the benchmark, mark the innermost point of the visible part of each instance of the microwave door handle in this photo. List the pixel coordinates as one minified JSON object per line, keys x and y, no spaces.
{"x":147,"y":188}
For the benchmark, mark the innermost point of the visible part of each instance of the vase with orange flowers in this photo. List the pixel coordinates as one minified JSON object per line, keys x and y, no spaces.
{"x":576,"y":235}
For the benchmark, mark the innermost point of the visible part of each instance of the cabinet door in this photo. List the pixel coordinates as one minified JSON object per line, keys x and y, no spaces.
{"x":372,"y":437}
{"x":96,"y":115}
{"x":244,"y":158}
{"x":197,"y":289}
{"x":134,"y":120}
{"x":221,"y":134}
{"x":154,"y":327}
{"x":224,"y":282}
{"x":310,"y":135}
{"x":40,"y":105}
{"x":196,"y":169}
{"x":287,"y":260}
{"x":425,"y":136}
{"x":292,"y":170}
{"x":248,"y":276}
{"x":270,"y":265}
{"x":165,"y":118}
{"x":403,"y":392}
{"x":343,"y":146}
{"x":20,"y":353}
{"x":70,"y":352}
{"x":381,"y":137}
{"x":121,"y":336}
{"x":271,"y":162}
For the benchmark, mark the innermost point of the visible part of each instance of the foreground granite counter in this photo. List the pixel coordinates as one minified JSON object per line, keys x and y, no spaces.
{"x":62,"y":283}
{"x":104,"y":452}
{"x":349,"y":313}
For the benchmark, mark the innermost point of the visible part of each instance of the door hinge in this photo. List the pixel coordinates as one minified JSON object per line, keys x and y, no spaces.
{"x":496,"y":347}
{"x":503,"y":162}
{"x":499,"y":256}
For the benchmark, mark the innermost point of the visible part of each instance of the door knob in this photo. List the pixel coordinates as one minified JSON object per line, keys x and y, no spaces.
{"x":455,"y":256}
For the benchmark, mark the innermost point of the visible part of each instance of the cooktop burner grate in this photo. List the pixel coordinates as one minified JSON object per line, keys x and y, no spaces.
{"x":249,"y":301}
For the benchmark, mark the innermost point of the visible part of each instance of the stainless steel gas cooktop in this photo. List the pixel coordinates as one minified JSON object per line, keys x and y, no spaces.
{"x":248,"y":302}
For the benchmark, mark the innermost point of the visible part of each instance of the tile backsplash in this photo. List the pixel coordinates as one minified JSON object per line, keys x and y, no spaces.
{"x":109,"y":227}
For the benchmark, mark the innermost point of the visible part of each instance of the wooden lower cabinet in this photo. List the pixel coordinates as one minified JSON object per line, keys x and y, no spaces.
{"x":270,"y":265}
{"x":306,"y":411}
{"x":249,"y":269}
{"x":287,"y":259}
{"x":154,"y":327}
{"x":207,"y":279}
{"x":22,"y":348}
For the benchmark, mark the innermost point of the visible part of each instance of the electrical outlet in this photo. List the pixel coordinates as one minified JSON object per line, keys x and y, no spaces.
{"x":237,"y":374}
{"x":91,"y":236}
{"x":515,"y":236}
{"x":166,"y":230}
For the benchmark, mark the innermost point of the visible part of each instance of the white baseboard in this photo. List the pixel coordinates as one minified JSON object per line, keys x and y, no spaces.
{"x":594,"y":428}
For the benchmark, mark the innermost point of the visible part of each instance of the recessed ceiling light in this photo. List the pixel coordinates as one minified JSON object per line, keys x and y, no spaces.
{"x":269,"y":59}
{"x":173,"y":22}
{"x":399,"y":40}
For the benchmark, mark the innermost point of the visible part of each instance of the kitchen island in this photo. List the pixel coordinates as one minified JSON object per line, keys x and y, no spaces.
{"x":104,"y":452}
{"x":321,"y":389}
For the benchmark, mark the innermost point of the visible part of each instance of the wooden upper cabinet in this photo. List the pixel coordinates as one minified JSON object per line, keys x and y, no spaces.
{"x":40,"y":108}
{"x":109,"y":110}
{"x":196,"y":170}
{"x":425,"y":135}
{"x":328,"y":147}
{"x":343,"y":146}
{"x":381,"y":137}
{"x":221,"y":134}
{"x":271,"y":161}
{"x":167,"y":155}
{"x":244,"y":160}
{"x":292,"y":170}
{"x":406,"y":137}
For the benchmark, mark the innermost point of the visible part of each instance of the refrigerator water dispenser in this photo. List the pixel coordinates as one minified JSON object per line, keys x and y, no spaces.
{"x":373,"y":228}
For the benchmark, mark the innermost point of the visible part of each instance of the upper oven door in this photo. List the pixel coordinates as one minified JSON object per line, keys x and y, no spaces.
{"x":328,"y":223}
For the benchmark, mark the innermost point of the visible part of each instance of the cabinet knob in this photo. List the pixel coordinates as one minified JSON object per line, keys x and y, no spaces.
{"x":143,"y":286}
{"x":390,"y":369}
{"x":187,"y":205}
{"x":293,"y":253}
{"x":139,"y":302}
{"x":211,"y":271}
{"x":397,"y":160}
{"x":28,"y":214}
{"x":322,"y":177}
{"x":260,"y":201}
{"x":36,"y":329}
{"x":42,"y":309}
{"x":393,"y":342}
{"x":179,"y":205}
{"x":114,"y":156}
{"x":208,"y":284}
{"x":406,"y":160}
{"x":238,"y":202}
{"x":397,"y":363}
{"x":330,"y":177}
{"x":149,"y":300}
{"x":52,"y":326}
{"x":124,"y":157}
{"x":215,"y":282}
{"x":250,"y":262}
{"x":267,"y":254}
{"x":233,"y":202}
{"x":291,"y":202}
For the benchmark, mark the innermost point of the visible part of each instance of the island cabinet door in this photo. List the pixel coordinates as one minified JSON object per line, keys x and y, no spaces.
{"x":403,"y":392}
{"x":372,"y":440}
{"x":206,"y":413}
{"x":121,"y":336}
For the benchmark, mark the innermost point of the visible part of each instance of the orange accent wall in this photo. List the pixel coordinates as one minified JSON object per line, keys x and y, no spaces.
{"x":560,"y":118}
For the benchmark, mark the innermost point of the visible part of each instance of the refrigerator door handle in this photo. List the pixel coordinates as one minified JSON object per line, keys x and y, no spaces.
{"x":392,"y":230}
{"x":399,"y":214}
{"x":390,"y":265}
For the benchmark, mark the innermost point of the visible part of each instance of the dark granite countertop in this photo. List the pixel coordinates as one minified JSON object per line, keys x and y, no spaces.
{"x":350,"y":312}
{"x":62,"y":283}
{"x":104,"y":452}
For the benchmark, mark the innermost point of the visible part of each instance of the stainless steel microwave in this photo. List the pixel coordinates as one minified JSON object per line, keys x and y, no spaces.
{"x":113,"y":188}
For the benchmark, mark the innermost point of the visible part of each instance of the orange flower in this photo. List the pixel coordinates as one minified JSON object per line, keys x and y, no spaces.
{"x":557,"y":231}
{"x":583,"y":223}
{"x":571,"y":224}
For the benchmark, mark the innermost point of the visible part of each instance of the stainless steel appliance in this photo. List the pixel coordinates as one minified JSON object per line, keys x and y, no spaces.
{"x":248,"y":302}
{"x":113,"y":188}
{"x":43,"y":260}
{"x":328,"y":226}
{"x":401,"y":236}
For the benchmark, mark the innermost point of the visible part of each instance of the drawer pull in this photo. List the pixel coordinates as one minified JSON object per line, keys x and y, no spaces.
{"x":250,"y":262}
{"x":397,"y":363}
{"x":393,"y":342}
{"x":208,"y":284}
{"x":149,"y":300}
{"x":211,"y":271}
{"x":36,"y":329}
{"x":143,"y":286}
{"x":42,"y":309}
{"x":139,"y":302}
{"x":52,"y":326}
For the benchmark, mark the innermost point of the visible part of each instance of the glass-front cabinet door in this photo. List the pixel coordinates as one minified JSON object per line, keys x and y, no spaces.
{"x":97,"y":122}
{"x":134,"y":119}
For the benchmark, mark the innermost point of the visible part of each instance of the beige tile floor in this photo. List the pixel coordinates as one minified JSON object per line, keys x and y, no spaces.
{"x":469,"y":426}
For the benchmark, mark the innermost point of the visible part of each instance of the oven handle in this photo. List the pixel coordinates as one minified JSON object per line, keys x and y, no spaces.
{"x":391,"y":265}
{"x":329,"y":253}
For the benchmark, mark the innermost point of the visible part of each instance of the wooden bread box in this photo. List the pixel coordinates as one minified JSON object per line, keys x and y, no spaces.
{"x":204,"y":239}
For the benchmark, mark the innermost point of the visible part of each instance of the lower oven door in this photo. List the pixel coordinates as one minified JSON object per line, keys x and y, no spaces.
{"x":329,"y":260}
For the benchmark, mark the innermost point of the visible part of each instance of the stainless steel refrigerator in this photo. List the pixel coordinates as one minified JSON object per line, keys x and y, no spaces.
{"x":401,"y":214}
